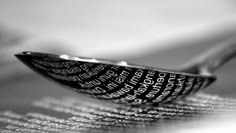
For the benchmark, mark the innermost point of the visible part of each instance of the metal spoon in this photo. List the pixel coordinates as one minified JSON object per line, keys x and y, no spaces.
{"x":126,"y":83}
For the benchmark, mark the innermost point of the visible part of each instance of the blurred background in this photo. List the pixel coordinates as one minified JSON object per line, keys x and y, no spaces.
{"x":115,"y":28}
{"x":158,"y":33}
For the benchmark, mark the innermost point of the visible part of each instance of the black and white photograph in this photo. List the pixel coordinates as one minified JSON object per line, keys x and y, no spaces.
{"x":117,"y":66}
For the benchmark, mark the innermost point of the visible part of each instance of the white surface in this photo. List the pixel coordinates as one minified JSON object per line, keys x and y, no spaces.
{"x":111,"y":28}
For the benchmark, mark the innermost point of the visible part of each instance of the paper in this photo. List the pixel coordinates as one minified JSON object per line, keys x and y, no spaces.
{"x":70,"y":114}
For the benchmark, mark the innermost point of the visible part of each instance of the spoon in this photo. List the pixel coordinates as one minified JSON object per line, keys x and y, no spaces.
{"x":127,"y":83}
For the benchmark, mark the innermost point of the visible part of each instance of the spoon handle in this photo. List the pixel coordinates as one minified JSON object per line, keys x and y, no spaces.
{"x":213,"y":58}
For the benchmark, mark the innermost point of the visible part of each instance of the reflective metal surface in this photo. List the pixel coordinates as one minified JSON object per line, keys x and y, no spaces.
{"x":118,"y":82}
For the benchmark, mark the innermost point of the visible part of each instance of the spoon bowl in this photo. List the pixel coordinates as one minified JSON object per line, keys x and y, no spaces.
{"x":118,"y":82}
{"x":127,"y":83}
